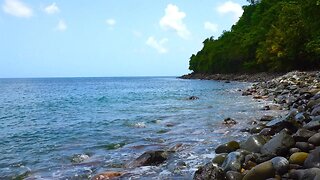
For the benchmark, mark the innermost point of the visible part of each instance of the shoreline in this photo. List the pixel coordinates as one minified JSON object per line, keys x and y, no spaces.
{"x":240,"y":77}
{"x":277,"y":147}
{"x":285,"y":147}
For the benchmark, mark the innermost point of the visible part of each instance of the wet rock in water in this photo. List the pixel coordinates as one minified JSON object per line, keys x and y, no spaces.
{"x":315,"y":139}
{"x":279,"y":144}
{"x":193,"y":98}
{"x":305,"y":174}
{"x":304,"y":146}
{"x":219,"y":158}
{"x":79,"y":158}
{"x":262,"y":171}
{"x":150,"y":158}
{"x":298,"y":158}
{"x":267,"y":118}
{"x":233,"y":175}
{"x":313,"y":159}
{"x":107,"y":175}
{"x":228,"y":147}
{"x":232,"y":162}
{"x":267,"y":132}
{"x":208,"y":172}
{"x":253,"y":143}
{"x":257,"y":129}
{"x":280,"y":164}
{"x":303,"y":135}
{"x":229,"y":121}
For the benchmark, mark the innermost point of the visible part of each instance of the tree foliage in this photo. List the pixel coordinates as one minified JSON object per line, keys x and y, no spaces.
{"x":271,"y":35}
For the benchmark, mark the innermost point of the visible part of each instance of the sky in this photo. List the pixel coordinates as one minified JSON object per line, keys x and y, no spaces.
{"x":107,"y":38}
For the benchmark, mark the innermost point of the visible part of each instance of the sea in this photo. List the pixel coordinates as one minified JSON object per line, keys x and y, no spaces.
{"x":75,"y":128}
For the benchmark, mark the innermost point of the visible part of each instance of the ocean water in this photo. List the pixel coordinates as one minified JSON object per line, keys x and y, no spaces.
{"x":74,"y":128}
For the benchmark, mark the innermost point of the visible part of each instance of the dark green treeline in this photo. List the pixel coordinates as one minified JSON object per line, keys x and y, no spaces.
{"x":271,"y":35}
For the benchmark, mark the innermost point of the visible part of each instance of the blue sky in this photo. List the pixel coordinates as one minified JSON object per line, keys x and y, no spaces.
{"x":107,"y":37}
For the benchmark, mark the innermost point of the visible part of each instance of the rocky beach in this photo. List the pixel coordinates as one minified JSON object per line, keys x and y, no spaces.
{"x":278,"y":147}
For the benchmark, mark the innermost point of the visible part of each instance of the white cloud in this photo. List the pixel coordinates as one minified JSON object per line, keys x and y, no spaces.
{"x":231,"y":7}
{"x":52,"y":9}
{"x":158,"y":45}
{"x":211,"y":26}
{"x":62,"y":26}
{"x":17,"y":8}
{"x":111,"y":22}
{"x":173,"y":20}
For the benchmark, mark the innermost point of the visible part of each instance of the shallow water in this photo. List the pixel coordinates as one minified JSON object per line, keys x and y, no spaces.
{"x":73,"y":128}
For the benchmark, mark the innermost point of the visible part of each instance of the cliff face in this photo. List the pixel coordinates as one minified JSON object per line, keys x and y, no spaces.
{"x":271,"y":35}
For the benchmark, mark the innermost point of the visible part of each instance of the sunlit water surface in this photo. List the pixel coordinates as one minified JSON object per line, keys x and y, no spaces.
{"x":74,"y":128}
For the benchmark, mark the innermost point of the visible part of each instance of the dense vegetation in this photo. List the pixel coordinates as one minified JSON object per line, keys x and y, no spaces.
{"x":271,"y":35}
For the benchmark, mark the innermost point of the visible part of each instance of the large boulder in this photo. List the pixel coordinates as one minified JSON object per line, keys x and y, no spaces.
{"x":253,"y":143}
{"x":279,"y":144}
{"x":233,"y":162}
{"x":227,"y":147}
{"x":150,"y":158}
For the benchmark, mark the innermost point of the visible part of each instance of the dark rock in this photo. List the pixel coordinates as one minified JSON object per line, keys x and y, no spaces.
{"x":279,"y":144}
{"x":233,"y":162}
{"x":266,"y":118}
{"x":208,"y":172}
{"x":228,"y":147}
{"x":257,"y":129}
{"x":219,"y":158}
{"x":305,"y":174}
{"x":150,"y":158}
{"x":303,"y":146}
{"x":253,"y":143}
{"x":313,"y":125}
{"x":229,"y":121}
{"x":303,"y":135}
{"x":313,"y":159}
{"x":264,"y":157}
{"x":233,"y":175}
{"x":315,"y":139}
{"x":193,"y":98}
{"x":267,"y":132}
{"x":287,"y":122}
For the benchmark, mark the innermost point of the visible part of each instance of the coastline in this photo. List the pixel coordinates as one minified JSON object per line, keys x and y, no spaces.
{"x":240,"y":77}
{"x":285,"y":147}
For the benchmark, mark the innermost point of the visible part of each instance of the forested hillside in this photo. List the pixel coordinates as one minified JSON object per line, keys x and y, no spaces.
{"x":271,"y":35}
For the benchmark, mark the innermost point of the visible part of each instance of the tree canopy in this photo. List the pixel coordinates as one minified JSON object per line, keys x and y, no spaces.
{"x":271,"y":35}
